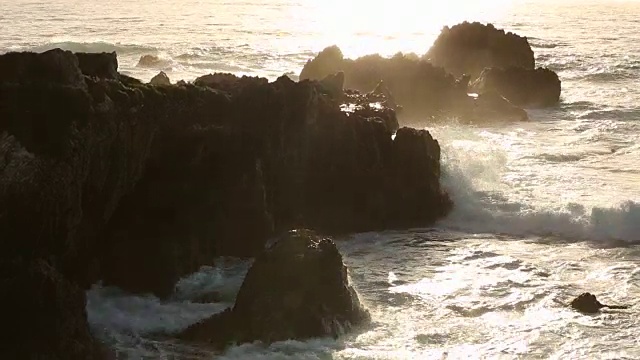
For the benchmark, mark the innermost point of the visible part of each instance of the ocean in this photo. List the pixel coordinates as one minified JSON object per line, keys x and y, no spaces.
{"x":544,"y":209}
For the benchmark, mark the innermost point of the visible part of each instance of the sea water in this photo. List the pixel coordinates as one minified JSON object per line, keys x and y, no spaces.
{"x":545,"y":209}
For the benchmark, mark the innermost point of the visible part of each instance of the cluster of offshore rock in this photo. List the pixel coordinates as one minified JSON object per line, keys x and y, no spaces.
{"x":105,"y":178}
{"x":498,"y":67}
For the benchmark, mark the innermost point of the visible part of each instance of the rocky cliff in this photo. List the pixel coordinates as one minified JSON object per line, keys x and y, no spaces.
{"x":103,"y":177}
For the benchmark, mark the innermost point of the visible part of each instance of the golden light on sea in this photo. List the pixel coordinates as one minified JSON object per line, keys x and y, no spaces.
{"x":362,"y":27}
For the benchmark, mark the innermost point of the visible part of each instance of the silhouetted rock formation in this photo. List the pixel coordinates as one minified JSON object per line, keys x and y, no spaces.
{"x":588,"y":304}
{"x":419,"y":88}
{"x":161,"y":79}
{"x":298,"y":288}
{"x":523,"y":87}
{"x":43,"y":314}
{"x":137,"y":184}
{"x":468,"y":48}
{"x":229,"y":82}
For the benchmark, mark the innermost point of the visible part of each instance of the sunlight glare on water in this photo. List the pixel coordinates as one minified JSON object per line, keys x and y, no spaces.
{"x":544,"y":209}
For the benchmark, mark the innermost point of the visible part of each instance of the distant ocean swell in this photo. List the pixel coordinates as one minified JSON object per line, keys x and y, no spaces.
{"x":98,"y":46}
{"x":480,"y":210}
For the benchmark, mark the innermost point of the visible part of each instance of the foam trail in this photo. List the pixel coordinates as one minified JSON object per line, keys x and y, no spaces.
{"x":128,"y":322}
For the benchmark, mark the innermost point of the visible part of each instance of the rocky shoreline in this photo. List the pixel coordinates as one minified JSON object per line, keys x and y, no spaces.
{"x":105,"y":178}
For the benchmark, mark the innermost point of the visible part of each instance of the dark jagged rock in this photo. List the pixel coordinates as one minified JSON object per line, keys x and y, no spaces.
{"x":371,"y":106}
{"x":140,"y":185}
{"x":160,"y":80}
{"x":588,"y":304}
{"x":298,"y":288}
{"x":108,"y":178}
{"x":419,"y":88}
{"x":51,"y":67}
{"x":44,"y":315}
{"x":417,"y":156}
{"x":523,"y":87}
{"x":100,"y":65}
{"x":468,"y":48}
{"x":150,"y":61}
{"x":229,"y":82}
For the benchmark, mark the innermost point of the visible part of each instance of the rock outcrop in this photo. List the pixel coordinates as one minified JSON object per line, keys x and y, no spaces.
{"x":115,"y":172}
{"x":160,"y":80}
{"x":588,"y":304}
{"x":105,"y":177}
{"x":523,"y":87}
{"x":298,"y":288}
{"x":469,"y":48}
{"x":421,"y":90}
{"x":436,"y":85}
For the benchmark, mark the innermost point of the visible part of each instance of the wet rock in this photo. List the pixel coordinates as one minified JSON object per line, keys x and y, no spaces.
{"x":334,"y":84}
{"x":420,"y":88}
{"x":298,"y":288}
{"x":160,"y":80}
{"x":150,"y":61}
{"x":523,"y":87}
{"x":44,"y":313}
{"x":100,"y":65}
{"x":469,"y":48}
{"x":53,"y":66}
{"x":416,"y":155}
{"x":492,"y":106}
{"x":383,"y":95}
{"x":586,"y":303}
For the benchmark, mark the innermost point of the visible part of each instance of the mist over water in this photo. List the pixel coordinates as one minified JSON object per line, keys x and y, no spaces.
{"x":545,"y":209}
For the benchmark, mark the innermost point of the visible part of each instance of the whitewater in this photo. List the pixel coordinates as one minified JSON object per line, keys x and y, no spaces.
{"x":545,"y":209}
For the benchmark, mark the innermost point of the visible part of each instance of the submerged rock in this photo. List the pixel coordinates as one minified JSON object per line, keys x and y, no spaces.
{"x":161,"y":79}
{"x":469,"y":48}
{"x":491,"y":105}
{"x":100,"y":65}
{"x":298,"y":288}
{"x":586,"y":303}
{"x":523,"y":87}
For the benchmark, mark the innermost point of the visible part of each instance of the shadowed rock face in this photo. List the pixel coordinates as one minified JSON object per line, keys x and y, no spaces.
{"x":422,"y":89}
{"x":298,"y":288}
{"x":523,"y":87}
{"x":468,"y":48}
{"x":44,"y":314}
{"x":587,"y":303}
{"x":161,"y":79}
{"x":104,"y":177}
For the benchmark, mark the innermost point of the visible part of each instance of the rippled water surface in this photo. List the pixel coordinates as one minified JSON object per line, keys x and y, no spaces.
{"x":544,"y":209}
